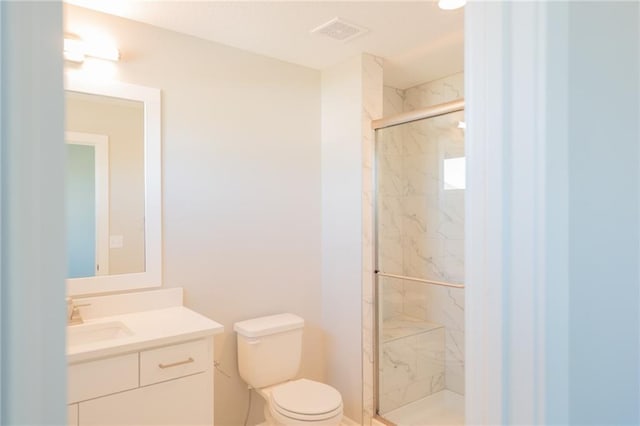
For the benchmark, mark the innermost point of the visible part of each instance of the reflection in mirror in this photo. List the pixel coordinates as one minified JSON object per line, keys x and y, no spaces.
{"x":87,"y":204}
{"x":114,"y":213}
{"x":105,"y":185}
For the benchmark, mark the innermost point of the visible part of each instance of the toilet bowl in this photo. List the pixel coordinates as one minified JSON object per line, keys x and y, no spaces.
{"x":302,"y":402}
{"x":269,"y":356}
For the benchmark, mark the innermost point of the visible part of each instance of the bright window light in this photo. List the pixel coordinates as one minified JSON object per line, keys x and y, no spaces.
{"x":455,"y":173}
{"x":451,"y":4}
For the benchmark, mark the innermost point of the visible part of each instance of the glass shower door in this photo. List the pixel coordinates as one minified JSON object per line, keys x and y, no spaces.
{"x":420,"y":183}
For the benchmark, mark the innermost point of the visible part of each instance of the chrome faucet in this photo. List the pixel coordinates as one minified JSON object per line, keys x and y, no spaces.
{"x":73,"y":312}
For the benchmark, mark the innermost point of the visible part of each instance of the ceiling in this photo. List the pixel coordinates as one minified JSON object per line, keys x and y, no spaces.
{"x":418,"y":41}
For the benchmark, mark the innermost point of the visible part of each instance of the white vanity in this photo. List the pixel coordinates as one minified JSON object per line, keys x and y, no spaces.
{"x":141,"y":359}
{"x":137,"y":358}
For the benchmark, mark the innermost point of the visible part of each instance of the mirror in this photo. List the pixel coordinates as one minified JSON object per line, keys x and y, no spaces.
{"x":113,"y":186}
{"x":105,"y":185}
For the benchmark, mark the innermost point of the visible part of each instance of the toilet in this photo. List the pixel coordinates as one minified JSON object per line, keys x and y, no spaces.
{"x":269,"y":354}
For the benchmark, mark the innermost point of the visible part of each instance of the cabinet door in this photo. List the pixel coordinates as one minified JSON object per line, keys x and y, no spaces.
{"x":184,"y":401}
{"x":102,"y":377}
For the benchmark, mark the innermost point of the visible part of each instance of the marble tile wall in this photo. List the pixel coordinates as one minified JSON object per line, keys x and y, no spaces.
{"x":421,"y":233}
{"x":411,"y":367}
{"x":434,"y":220}
{"x":435,"y":92}
{"x":390,"y":193}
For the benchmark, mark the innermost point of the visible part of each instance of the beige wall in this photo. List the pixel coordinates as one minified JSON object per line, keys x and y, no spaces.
{"x":123,"y":123}
{"x":351,"y":96}
{"x":341,"y":228}
{"x":241,"y":189}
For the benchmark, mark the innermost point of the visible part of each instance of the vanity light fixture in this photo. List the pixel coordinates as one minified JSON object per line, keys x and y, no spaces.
{"x":451,"y":4}
{"x":76,"y":50}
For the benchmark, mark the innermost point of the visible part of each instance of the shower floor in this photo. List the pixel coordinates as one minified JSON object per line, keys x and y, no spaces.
{"x":442,"y":408}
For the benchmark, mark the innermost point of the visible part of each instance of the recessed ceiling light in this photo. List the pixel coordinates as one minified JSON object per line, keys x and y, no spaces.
{"x":451,"y":4}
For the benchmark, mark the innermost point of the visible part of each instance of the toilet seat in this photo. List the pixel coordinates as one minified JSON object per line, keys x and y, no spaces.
{"x":306,"y":401}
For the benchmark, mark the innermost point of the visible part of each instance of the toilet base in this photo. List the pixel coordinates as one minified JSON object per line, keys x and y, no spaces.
{"x":345,"y":422}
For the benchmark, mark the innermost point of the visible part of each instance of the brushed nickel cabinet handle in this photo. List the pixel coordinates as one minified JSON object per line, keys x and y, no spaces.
{"x":175,"y":364}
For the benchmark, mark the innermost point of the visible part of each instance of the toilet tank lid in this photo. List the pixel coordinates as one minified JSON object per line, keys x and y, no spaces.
{"x":265,"y":326}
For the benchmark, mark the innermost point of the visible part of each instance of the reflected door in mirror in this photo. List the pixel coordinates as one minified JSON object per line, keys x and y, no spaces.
{"x":106,"y":213}
{"x":81,"y":211}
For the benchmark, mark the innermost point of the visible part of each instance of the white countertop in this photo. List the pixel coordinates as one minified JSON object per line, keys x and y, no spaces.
{"x":149,"y":328}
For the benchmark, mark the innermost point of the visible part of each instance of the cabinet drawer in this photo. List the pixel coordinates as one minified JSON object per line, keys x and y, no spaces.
{"x":175,"y":361}
{"x":103,"y":377}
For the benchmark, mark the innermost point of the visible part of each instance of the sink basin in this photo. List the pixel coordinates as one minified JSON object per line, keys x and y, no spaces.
{"x":92,"y":333}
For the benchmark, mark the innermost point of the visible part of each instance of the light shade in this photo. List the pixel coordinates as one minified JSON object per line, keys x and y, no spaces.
{"x":451,"y":4}
{"x":76,"y":50}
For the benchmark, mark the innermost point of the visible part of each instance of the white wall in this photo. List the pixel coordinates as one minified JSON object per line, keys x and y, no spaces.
{"x":351,"y":97}
{"x":32,"y":263}
{"x":241,"y":189}
{"x":341,"y":229}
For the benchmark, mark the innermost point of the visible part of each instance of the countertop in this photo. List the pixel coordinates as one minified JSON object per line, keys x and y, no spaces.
{"x":149,"y":329}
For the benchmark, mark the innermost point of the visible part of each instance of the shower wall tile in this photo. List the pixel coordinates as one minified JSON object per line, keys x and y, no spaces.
{"x":418,"y":140}
{"x":390,"y":215}
{"x":445,"y":306}
{"x":390,"y":175}
{"x":454,"y":374}
{"x":391,"y":142}
{"x":411,"y":368}
{"x":372,"y":104}
{"x":392,"y":292}
{"x":393,"y":102}
{"x":421,"y":175}
{"x":446,"y":89}
{"x":414,"y":209}
{"x":390,"y":253}
{"x":433,"y":229}
{"x":415,"y":300}
{"x":423,"y":257}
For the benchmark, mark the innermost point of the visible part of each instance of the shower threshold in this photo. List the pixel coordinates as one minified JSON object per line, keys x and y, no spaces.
{"x":441,"y":408}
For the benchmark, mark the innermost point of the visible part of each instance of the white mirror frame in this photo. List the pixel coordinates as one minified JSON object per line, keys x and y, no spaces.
{"x":152,"y":275}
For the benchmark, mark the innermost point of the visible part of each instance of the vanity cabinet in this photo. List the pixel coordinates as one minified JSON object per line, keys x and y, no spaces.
{"x":168,"y":385}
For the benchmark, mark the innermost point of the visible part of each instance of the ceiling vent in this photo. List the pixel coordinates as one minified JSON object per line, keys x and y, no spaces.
{"x":339,"y":29}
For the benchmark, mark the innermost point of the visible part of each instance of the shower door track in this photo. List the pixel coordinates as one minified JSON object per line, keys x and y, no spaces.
{"x":420,"y":280}
{"x":419,"y":114}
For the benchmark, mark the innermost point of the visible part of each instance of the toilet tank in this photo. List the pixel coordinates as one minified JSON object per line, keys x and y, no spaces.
{"x":269,"y":349}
